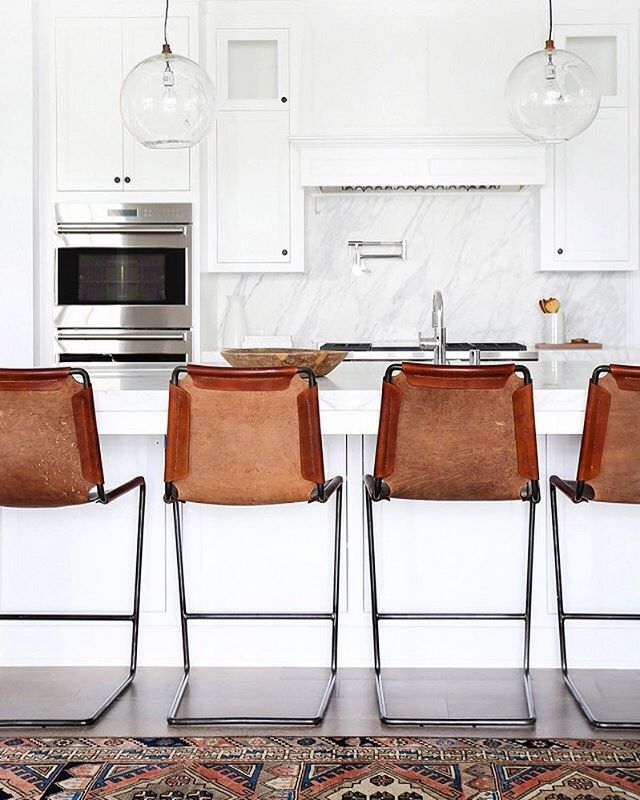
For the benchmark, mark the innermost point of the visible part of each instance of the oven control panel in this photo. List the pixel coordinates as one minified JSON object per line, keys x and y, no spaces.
{"x":115,"y":213}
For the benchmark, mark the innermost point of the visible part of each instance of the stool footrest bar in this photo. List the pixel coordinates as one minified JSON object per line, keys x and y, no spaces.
{"x":632,"y":617}
{"x":452,"y":616}
{"x":266,"y":616}
{"x":68,"y":617}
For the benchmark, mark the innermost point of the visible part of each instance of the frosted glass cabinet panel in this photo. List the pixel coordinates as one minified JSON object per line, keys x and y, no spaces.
{"x":606,"y":49}
{"x":601,"y":53}
{"x":253,"y":69}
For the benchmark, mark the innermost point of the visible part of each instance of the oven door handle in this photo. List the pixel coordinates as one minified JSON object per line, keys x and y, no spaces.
{"x":107,"y":228}
{"x":178,"y":336}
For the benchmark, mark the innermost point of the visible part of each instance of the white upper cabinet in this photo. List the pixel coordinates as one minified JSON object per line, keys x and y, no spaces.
{"x":591,"y":199}
{"x":253,"y":188}
{"x":149,"y":169}
{"x":94,"y":150}
{"x":89,"y":126}
{"x":589,"y":206}
{"x":258,"y":224}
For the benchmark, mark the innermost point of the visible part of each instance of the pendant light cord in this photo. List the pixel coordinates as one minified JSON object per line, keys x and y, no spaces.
{"x":166,"y":17}
{"x":549,"y":37}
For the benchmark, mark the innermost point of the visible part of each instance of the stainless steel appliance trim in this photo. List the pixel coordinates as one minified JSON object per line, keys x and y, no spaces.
{"x":130,"y":213}
{"x":119,"y":227}
{"x":120,"y":317}
{"x":158,"y":225}
{"x":156,"y":342}
{"x":123,"y":333}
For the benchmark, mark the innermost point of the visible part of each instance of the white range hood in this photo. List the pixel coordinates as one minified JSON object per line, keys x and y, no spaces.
{"x":425,"y":161}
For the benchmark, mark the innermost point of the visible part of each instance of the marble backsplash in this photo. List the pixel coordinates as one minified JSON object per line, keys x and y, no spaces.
{"x":480,"y":250}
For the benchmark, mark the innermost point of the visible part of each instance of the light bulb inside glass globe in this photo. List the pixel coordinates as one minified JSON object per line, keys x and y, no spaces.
{"x":552,"y":95}
{"x":167,"y":101}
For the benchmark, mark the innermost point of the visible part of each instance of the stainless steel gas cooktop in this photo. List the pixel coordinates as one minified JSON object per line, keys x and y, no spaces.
{"x":456,"y":351}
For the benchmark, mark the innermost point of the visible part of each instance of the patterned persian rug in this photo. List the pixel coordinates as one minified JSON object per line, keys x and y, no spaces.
{"x":318,"y":768}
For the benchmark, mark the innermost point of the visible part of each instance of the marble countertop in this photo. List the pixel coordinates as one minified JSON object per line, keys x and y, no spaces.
{"x":350,"y":396}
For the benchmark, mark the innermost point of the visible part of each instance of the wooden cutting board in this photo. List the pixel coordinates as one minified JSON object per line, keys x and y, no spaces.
{"x":570,"y":346}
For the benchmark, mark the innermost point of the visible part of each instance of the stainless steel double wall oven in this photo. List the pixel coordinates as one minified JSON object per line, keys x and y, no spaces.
{"x":123,"y":283}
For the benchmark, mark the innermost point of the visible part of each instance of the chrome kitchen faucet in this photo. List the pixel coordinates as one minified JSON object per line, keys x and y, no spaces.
{"x":439,"y":341}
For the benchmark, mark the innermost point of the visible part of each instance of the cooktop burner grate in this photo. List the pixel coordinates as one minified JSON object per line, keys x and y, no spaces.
{"x":362,"y":347}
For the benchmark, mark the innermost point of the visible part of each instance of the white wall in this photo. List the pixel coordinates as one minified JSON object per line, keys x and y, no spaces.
{"x":17,"y":185}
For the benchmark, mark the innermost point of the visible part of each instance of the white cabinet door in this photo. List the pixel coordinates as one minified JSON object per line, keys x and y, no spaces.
{"x":253,"y":179}
{"x":589,"y":206}
{"x":88,"y":125}
{"x":592,"y":193}
{"x":253,"y":69}
{"x":146,"y":169}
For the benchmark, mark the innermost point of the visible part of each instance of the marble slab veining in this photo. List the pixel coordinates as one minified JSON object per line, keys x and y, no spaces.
{"x":481,"y":250}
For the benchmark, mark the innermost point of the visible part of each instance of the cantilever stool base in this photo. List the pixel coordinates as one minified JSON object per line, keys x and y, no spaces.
{"x":408,"y":710}
{"x":606,"y":472}
{"x":386,"y":712}
{"x":56,"y":395}
{"x":283,"y":464}
{"x":585,"y":705}
{"x":452,"y":404}
{"x":315,"y":717}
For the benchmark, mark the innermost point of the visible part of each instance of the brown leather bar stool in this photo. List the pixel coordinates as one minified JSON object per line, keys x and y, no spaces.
{"x":246,"y":437}
{"x":50,"y":457}
{"x":608,"y":472}
{"x":454,"y":433}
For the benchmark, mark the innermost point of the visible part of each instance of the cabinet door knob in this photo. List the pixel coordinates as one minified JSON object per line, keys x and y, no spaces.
{"x":285,"y":252}
{"x":560,"y":251}
{"x":116,"y":179}
{"x":127,"y":179}
{"x":283,"y":99}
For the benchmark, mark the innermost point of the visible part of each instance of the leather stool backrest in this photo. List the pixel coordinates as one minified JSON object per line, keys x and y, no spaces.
{"x":457,"y":433}
{"x":610,"y":451}
{"x":49,"y":446}
{"x":243,"y":436}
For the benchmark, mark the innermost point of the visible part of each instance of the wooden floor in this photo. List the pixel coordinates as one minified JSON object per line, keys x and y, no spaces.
{"x":142,"y":710}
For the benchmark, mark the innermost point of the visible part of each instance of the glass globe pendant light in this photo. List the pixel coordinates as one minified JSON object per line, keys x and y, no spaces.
{"x":552,"y":95}
{"x":167,"y":101}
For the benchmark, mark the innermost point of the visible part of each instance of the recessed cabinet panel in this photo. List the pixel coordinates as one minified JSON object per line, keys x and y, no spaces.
{"x":253,"y":187}
{"x":88,"y":125}
{"x":592,"y":192}
{"x":146,"y":169}
{"x":253,"y":69}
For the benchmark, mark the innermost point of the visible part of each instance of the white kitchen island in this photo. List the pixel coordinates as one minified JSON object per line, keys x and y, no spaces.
{"x":432,"y":556}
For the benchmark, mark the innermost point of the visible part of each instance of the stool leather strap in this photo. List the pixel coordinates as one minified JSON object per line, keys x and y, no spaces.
{"x":594,"y":432}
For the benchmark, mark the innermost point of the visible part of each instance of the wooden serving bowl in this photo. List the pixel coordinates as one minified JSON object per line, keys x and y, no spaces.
{"x":320,"y":361}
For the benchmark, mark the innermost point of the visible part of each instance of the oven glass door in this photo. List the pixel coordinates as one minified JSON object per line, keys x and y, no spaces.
{"x":95,"y":276}
{"x":121,"y":277}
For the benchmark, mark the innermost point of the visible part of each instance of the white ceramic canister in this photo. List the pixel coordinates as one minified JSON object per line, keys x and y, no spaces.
{"x":554,"y":328}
